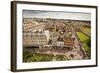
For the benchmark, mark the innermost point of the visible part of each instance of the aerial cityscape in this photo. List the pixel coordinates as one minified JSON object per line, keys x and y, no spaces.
{"x":51,"y":39}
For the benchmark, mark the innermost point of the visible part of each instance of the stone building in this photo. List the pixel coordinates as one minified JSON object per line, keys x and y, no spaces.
{"x":54,"y":37}
{"x":34,"y":39}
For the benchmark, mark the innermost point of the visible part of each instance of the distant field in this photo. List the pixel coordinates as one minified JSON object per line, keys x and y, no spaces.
{"x":87,"y":31}
{"x":85,"y":41}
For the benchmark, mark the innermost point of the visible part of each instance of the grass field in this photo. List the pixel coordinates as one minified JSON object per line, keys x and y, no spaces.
{"x":85,"y":41}
{"x":82,"y":36}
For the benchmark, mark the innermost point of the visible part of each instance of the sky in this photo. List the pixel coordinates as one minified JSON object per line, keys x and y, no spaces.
{"x":56,"y":15}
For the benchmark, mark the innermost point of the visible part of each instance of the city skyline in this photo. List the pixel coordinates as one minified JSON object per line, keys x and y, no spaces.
{"x":56,"y":15}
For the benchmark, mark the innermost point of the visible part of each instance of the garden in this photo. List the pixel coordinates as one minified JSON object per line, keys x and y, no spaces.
{"x":37,"y":57}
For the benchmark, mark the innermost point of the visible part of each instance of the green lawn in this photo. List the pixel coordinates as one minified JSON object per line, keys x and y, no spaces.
{"x":82,"y":36}
{"x":85,"y":41}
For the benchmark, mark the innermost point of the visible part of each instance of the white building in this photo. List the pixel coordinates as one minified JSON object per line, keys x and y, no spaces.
{"x":60,"y":44}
